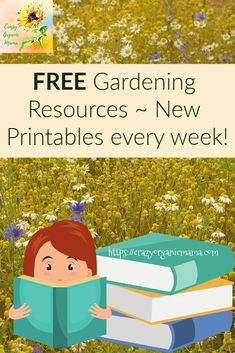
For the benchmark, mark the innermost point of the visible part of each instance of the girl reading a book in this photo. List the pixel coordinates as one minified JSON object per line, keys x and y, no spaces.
{"x":62,"y":252}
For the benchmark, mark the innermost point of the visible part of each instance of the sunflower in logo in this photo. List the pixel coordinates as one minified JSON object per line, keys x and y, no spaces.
{"x":31,"y":16}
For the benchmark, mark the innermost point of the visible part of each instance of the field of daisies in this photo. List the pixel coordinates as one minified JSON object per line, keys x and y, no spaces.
{"x":117,"y":199}
{"x":135,"y":31}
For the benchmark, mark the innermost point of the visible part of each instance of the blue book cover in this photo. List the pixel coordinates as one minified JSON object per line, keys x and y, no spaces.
{"x":60,"y":314}
{"x":166,"y":337}
{"x":170,"y":264}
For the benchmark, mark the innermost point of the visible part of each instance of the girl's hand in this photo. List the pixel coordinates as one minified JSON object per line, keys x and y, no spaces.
{"x":100,"y":313}
{"x":20,"y":313}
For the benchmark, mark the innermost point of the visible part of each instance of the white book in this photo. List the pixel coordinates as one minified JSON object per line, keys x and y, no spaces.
{"x":211,"y":296}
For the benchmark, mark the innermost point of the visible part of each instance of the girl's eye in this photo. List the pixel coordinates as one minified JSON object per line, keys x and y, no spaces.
{"x":48,"y":267}
{"x":70,"y":267}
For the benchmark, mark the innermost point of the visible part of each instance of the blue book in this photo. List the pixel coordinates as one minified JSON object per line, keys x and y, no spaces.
{"x":60,"y":314}
{"x":166,"y":337}
{"x":168,"y":264}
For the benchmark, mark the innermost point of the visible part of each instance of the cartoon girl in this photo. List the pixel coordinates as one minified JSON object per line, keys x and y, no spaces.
{"x":62,"y":252}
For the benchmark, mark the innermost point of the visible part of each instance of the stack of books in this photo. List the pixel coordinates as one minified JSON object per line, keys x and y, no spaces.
{"x":165,"y":291}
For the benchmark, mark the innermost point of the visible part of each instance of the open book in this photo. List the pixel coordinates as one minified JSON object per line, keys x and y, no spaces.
{"x":60,"y":314}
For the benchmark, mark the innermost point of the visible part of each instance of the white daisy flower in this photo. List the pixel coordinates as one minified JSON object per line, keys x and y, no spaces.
{"x":160,"y":206}
{"x":62,"y":38}
{"x":174,"y":207}
{"x":25,"y":243}
{"x":92,"y":38}
{"x":104,"y":36}
{"x":59,"y":28}
{"x":200,"y":24}
{"x":74,"y":348}
{"x":162,"y":42}
{"x":23,"y":225}
{"x":225,"y":199}
{"x":126,"y":40}
{"x":163,"y":28}
{"x":226,"y":36}
{"x":72,"y":202}
{"x":175,"y":26}
{"x":82,"y":346}
{"x":154,"y":37}
{"x":18,"y":244}
{"x":73,"y":47}
{"x":57,"y":10}
{"x":87,"y":198}
{"x":86,"y":169}
{"x":199,"y":226}
{"x":178,"y":44}
{"x":218,"y":234}
{"x":50,"y":217}
{"x":80,"y":41}
{"x":65,"y":201}
{"x":93,"y":232}
{"x":106,"y":61}
{"x":219,"y":207}
{"x":170,"y":196}
{"x":135,"y":28}
{"x":79,"y":187}
{"x":126,"y":51}
{"x":208,"y":200}
{"x":30,"y":233}
{"x":33,"y":216}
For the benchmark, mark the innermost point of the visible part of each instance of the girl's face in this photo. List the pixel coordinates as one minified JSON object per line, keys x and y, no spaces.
{"x":53,"y":266}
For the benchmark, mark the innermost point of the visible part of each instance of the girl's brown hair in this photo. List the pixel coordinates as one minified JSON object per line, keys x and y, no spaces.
{"x":69,"y":237}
